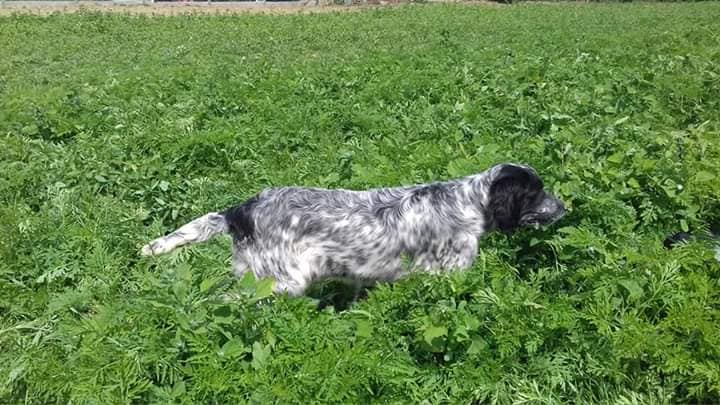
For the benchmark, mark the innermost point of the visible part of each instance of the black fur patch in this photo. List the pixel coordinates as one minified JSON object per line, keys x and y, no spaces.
{"x":435,"y":193}
{"x":512,"y":193}
{"x":240,"y":220}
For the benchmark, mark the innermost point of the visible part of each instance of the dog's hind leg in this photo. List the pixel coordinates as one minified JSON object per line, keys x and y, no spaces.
{"x":293,"y":288}
{"x":239,"y":264}
{"x":296,"y":276}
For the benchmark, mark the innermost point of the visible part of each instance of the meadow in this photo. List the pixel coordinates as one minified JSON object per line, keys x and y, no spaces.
{"x":116,"y":128}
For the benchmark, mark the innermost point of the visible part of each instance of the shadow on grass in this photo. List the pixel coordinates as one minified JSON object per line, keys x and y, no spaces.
{"x":337,"y":294}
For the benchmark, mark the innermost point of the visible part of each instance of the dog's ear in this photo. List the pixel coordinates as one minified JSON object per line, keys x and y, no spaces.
{"x":512,"y":190}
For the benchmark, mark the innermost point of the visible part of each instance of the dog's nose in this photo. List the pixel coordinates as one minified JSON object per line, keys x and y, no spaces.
{"x":552,"y":205}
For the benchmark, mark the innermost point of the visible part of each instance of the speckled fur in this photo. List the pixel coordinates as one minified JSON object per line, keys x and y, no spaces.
{"x":299,"y":235}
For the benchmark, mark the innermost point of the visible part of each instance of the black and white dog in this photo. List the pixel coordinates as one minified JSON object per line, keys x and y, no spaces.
{"x":299,"y":235}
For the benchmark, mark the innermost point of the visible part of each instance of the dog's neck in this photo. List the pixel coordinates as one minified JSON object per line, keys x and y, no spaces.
{"x":472,"y":197}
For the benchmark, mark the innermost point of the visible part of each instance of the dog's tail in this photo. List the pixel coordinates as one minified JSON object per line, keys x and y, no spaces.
{"x":198,"y":230}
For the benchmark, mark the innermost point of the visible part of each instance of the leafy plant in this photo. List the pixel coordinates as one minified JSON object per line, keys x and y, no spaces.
{"x":116,"y":128}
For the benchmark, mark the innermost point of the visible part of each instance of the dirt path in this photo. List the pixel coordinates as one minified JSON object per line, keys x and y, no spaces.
{"x":174,"y":8}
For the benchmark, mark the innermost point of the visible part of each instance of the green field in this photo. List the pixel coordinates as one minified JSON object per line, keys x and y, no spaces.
{"x":115,"y":129}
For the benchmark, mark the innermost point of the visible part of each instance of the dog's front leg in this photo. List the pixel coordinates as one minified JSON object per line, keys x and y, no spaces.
{"x":463,"y":252}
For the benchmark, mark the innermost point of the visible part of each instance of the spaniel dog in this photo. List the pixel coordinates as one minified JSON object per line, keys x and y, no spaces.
{"x":299,"y":235}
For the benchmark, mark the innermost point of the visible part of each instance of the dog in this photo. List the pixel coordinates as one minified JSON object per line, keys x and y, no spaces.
{"x":299,"y":235}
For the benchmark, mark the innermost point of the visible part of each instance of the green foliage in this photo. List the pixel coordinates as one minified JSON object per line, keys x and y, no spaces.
{"x":117,"y":128}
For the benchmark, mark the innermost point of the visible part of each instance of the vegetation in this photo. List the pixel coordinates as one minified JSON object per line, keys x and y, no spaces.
{"x":117,"y":128}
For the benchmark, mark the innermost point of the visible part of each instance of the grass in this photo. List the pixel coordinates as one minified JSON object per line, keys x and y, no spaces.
{"x":116,"y":128}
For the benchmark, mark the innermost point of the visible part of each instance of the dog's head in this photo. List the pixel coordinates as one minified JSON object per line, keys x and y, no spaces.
{"x":516,"y":198}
